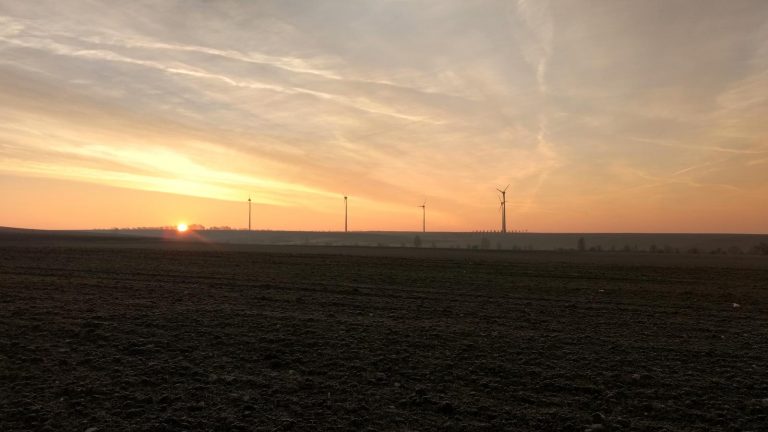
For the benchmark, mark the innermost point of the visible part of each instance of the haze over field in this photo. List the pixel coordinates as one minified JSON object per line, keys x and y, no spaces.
{"x":602,"y":116}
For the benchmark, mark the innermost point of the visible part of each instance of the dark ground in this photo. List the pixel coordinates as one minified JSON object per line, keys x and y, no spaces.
{"x":150,"y":335}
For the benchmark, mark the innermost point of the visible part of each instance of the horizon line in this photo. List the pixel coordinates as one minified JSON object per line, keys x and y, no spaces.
{"x":245,"y":230}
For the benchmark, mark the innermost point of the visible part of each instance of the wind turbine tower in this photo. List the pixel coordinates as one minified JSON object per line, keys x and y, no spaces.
{"x":249,"y":212}
{"x":423,"y":217}
{"x":503,"y":209}
{"x":345,"y":213}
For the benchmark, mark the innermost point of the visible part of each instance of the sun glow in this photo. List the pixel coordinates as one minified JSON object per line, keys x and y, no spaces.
{"x":182,"y":227}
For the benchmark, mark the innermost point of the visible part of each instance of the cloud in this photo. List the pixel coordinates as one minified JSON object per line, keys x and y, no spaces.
{"x":184,"y":70}
{"x":10,"y":27}
{"x":537,"y":47}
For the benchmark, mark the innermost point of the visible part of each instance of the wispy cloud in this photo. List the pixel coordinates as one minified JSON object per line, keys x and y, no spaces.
{"x":677,"y":144}
{"x":185,"y":70}
{"x":537,"y":46}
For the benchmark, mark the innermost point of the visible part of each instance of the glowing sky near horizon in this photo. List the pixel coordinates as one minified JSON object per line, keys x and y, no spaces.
{"x":641,"y":116}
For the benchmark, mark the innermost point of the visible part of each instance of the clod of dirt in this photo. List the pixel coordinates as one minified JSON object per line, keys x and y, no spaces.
{"x":598,"y":418}
{"x":623,"y":423}
{"x":642,"y":378}
{"x":446,"y":408}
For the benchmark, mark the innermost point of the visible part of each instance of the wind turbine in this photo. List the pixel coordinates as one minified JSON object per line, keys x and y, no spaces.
{"x":423,"y":216}
{"x":503,"y":209}
{"x":345,"y":213}
{"x":249,"y":212}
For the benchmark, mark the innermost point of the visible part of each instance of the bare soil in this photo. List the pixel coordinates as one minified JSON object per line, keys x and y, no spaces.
{"x":140,"y":335}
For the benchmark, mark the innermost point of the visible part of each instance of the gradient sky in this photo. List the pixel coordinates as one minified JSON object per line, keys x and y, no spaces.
{"x":601,"y":115}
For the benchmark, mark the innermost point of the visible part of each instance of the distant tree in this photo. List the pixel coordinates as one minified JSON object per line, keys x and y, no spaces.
{"x":653,"y":248}
{"x":417,"y":241}
{"x":581,"y":245}
{"x":735,"y":250}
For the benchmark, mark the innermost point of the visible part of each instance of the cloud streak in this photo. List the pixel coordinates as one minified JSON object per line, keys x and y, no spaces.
{"x":183,"y":70}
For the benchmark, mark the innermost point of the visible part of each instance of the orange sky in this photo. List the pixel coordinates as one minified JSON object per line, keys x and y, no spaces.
{"x":607,"y":117}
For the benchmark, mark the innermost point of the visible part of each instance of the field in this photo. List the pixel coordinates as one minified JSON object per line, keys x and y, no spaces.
{"x":732,"y":244}
{"x":110,"y":334}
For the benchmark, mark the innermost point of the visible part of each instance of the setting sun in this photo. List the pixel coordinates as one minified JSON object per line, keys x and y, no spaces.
{"x":182,"y":227}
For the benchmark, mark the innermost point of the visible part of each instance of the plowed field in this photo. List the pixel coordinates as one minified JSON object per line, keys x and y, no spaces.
{"x":131,"y":335}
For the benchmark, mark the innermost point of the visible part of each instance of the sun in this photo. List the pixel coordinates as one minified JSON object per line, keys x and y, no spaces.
{"x":182,"y":227}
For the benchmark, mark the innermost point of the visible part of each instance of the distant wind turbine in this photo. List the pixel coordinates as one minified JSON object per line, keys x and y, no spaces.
{"x":249,"y":212}
{"x":345,"y":213}
{"x":503,"y":209}
{"x":423,"y":216}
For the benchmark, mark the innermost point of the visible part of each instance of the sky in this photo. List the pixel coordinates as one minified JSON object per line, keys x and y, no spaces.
{"x":601,"y":115}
